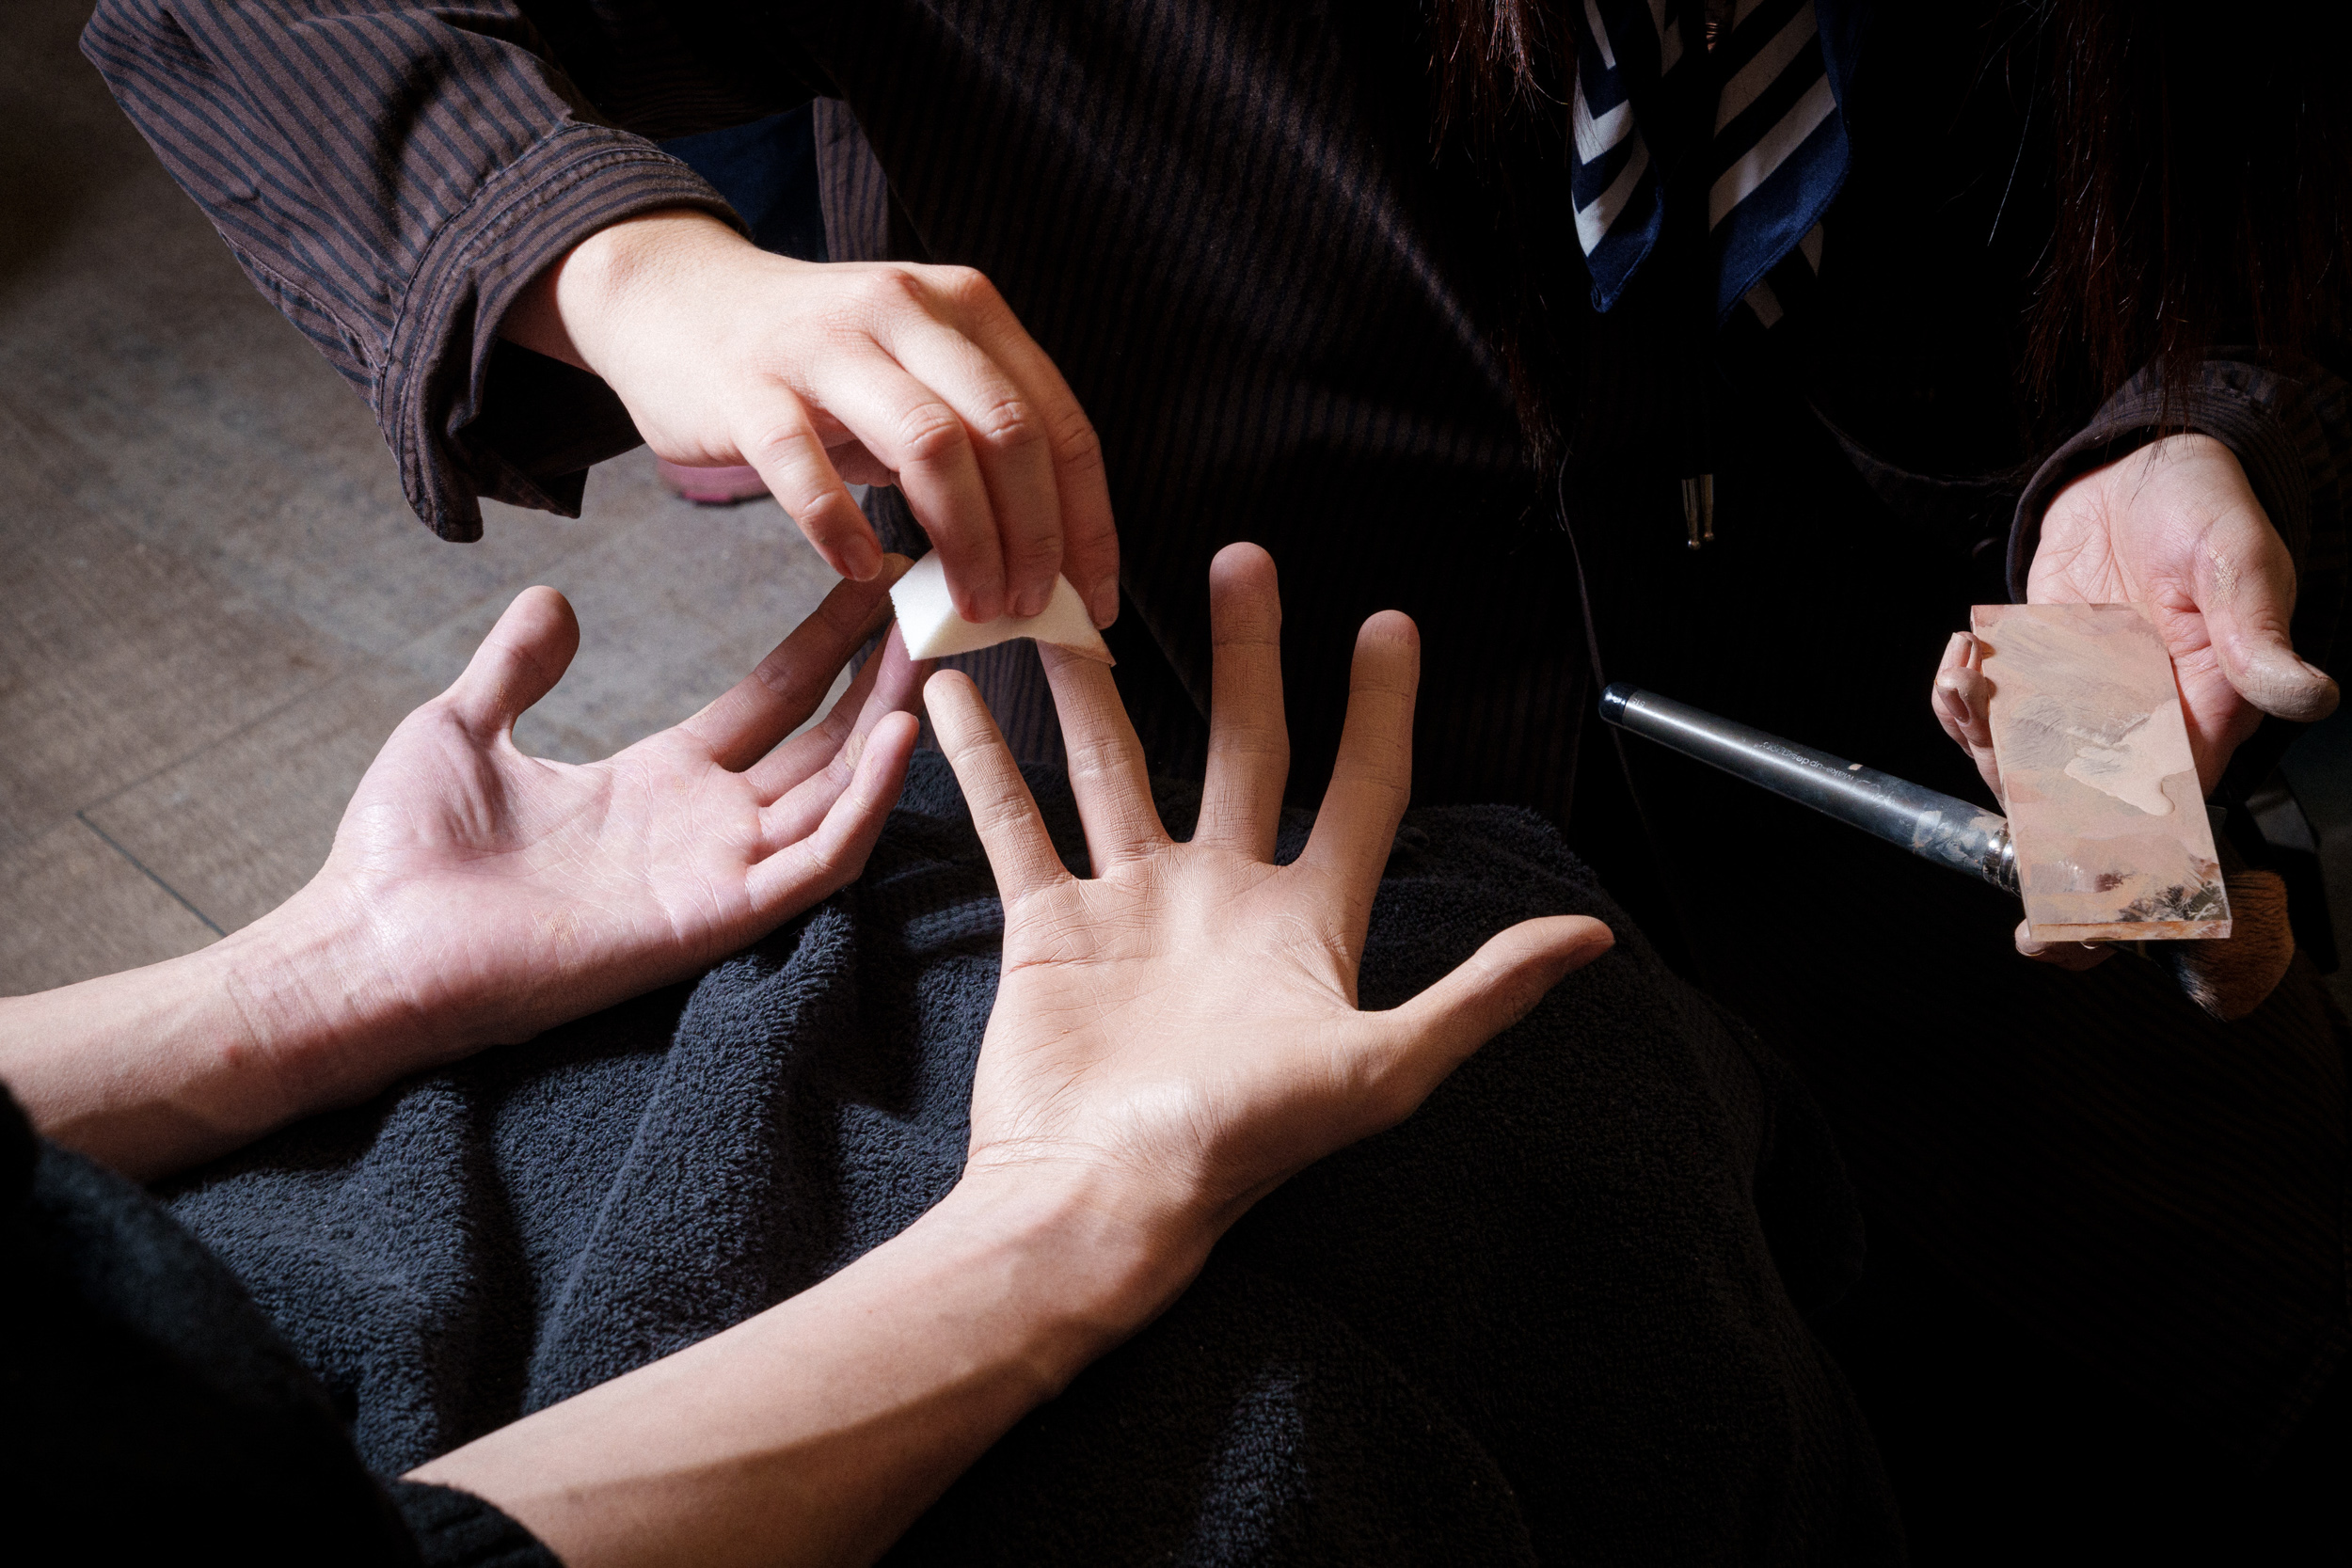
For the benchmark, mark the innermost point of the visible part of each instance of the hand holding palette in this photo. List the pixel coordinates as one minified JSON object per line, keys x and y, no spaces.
{"x":2112,"y":839}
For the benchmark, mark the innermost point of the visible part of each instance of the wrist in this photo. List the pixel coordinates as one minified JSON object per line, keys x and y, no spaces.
{"x":327,"y":1019}
{"x":618,"y":278}
{"x":1076,"y":1251}
{"x":154,"y":1069}
{"x":561,"y":312}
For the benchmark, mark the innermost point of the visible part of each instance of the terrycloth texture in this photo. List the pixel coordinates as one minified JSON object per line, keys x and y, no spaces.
{"x":1539,"y":1321}
{"x":155,"y":1414}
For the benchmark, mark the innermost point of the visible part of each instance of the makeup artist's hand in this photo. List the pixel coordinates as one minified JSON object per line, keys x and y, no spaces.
{"x":1181,"y":1029}
{"x":826,"y":376}
{"x":2176,"y":527}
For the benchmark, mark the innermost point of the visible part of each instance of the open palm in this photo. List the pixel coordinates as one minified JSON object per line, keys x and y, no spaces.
{"x":504,"y":892}
{"x":2176,"y":527}
{"x":1186,"y":1018}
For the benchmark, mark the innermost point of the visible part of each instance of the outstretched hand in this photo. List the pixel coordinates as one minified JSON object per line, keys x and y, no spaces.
{"x":475,"y":895}
{"x":501,"y":894}
{"x":1184,"y":1025}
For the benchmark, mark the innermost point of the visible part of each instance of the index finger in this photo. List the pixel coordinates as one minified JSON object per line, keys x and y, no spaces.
{"x":1003,"y":811}
{"x":746,"y":720}
{"x":1373,"y":779}
{"x":1006,"y":430}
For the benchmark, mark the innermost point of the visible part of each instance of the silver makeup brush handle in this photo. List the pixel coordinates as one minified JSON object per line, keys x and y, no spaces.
{"x":1932,"y":824}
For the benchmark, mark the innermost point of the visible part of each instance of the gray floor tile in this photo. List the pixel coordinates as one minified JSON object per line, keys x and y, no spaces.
{"x":119,"y":658}
{"x":671,"y":612}
{"x":79,"y":908}
{"x":238,"y":828}
{"x":177,"y":404}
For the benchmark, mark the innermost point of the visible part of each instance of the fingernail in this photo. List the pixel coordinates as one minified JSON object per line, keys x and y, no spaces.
{"x":861,"y":558}
{"x":1031,"y":603}
{"x":1105,"y":605}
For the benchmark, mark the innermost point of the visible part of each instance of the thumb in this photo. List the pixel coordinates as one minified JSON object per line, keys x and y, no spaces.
{"x":1490,"y":991}
{"x":2245,"y":583}
{"x":2267,"y":673}
{"x":518,"y":663}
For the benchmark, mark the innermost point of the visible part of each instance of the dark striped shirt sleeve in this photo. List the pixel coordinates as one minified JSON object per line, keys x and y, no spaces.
{"x":390,"y":176}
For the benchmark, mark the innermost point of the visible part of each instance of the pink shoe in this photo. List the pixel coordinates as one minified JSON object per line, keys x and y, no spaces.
{"x":711,"y":486}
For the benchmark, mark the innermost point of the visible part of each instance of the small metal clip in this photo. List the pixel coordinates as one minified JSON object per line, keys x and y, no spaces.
{"x":1698,"y":508}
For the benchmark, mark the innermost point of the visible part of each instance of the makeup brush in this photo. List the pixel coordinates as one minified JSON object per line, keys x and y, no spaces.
{"x":2228,"y":977}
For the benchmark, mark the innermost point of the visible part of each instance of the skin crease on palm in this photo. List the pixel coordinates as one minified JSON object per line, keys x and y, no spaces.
{"x":1151,"y":949}
{"x":2176,"y":527}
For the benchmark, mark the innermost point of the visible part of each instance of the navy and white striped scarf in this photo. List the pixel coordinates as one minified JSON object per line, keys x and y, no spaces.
{"x":1770,"y":163}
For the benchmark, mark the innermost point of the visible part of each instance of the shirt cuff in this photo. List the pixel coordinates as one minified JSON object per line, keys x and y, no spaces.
{"x":458,"y":1530}
{"x":434,"y":401}
{"x":2238,"y":403}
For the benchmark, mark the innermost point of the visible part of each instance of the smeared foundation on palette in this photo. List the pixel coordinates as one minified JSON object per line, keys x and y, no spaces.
{"x":2112,"y":839}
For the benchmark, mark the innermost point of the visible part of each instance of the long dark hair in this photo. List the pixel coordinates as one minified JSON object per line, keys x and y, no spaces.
{"x":2202,"y":155}
{"x":2202,"y":165}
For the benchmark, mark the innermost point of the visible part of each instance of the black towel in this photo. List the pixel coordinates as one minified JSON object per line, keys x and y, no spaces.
{"x":1552,"y":1316}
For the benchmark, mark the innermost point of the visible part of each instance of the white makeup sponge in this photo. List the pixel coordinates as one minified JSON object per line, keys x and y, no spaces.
{"x":928,"y":621}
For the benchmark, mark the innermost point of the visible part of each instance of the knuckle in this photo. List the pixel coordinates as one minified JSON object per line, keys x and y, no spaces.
{"x":782,"y":440}
{"x":828,"y":865}
{"x":967,"y":286}
{"x":783,"y":674}
{"x":1003,"y":811}
{"x":1009,"y":425}
{"x":930,"y":433}
{"x":843,"y":615}
{"x":886,"y":288}
{"x":1258,"y":743}
{"x":1075,"y":444}
{"x":845,"y":324}
{"x":1038,"y":550}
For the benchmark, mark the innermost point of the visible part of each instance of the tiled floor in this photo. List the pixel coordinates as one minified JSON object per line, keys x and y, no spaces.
{"x":214,"y":604}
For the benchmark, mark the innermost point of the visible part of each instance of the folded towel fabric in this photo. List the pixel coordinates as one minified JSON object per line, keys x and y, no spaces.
{"x":1556,"y":1315}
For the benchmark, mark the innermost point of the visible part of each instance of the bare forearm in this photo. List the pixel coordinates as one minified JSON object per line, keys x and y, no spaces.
{"x":158,"y":1069}
{"x":817,"y":1432}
